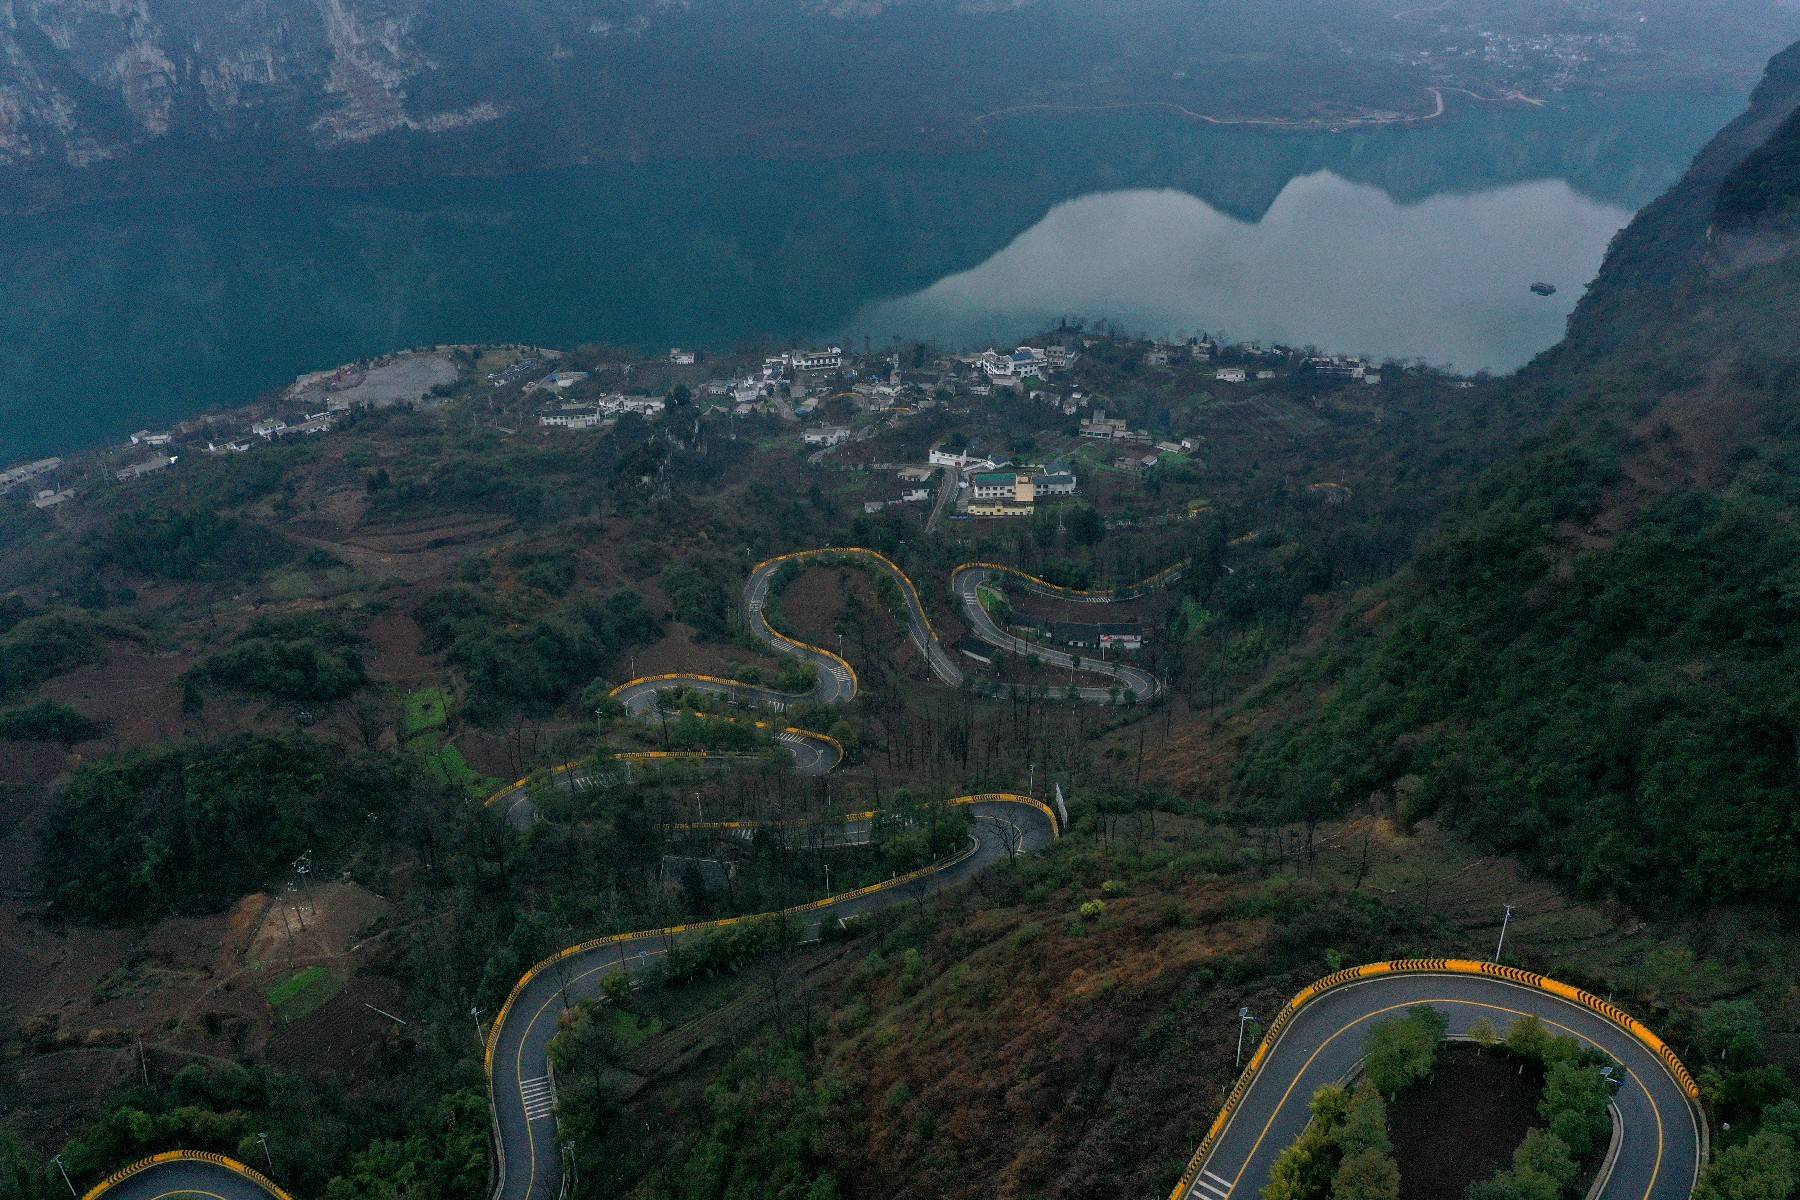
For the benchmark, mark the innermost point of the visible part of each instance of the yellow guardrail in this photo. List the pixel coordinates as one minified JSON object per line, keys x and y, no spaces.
{"x":1150,"y":581}
{"x":202,"y":1156}
{"x":1425,"y":966}
{"x":853,"y":552}
{"x":518,"y":785}
{"x":615,"y":939}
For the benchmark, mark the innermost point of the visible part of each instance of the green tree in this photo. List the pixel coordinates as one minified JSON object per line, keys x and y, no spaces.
{"x":1731,"y":1031}
{"x":1367,"y":1175}
{"x":1575,"y":1104}
{"x":1762,"y":1168}
{"x":1404,"y":1050}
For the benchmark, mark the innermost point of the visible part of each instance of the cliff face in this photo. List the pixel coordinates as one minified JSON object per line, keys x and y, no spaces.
{"x":86,"y":81}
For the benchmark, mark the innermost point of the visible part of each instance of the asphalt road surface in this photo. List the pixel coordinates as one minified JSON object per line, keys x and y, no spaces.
{"x":524,"y":1105}
{"x":1138,"y":683}
{"x":1659,"y":1154}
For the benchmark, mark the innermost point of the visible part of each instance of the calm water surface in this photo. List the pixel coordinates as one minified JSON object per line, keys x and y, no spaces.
{"x":1415,"y":242}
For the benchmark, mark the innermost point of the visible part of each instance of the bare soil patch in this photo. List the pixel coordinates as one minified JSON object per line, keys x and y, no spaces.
{"x":1461,"y":1125}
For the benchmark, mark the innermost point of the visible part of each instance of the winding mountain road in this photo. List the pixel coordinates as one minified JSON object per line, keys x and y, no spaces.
{"x":836,"y":680}
{"x":521,"y":1087}
{"x":1319,"y":1038}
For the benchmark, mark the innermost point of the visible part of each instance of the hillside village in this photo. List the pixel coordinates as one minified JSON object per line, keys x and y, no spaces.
{"x":826,"y":398}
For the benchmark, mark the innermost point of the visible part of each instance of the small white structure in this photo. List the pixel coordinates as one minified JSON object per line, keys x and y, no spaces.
{"x":1230,"y":375}
{"x":147,"y":467}
{"x":680,"y":357}
{"x":574,"y":420}
{"x":826,"y":435}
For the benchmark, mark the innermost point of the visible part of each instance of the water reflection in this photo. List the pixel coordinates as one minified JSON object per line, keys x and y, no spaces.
{"x":1332,"y":263}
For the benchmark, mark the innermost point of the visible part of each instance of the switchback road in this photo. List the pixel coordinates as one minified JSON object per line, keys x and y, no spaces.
{"x":522,"y":1089}
{"x":835,"y":680}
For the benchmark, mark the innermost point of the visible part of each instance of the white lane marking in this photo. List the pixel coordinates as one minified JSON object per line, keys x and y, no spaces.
{"x":1205,"y":1187}
{"x":1217,"y":1179}
{"x":539,"y":1097}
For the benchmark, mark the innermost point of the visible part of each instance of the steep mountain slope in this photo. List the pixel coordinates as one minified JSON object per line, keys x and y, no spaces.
{"x":1593,"y":665}
{"x":164,"y":95}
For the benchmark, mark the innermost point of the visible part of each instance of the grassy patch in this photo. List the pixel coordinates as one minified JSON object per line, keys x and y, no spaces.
{"x":633,"y":1029}
{"x":426,"y":708}
{"x":300,"y":994}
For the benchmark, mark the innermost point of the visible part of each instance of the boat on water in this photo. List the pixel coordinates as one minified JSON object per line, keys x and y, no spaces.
{"x":1544,"y":289}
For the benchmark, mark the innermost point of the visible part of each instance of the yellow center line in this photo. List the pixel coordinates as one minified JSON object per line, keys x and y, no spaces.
{"x":1286,"y":1095}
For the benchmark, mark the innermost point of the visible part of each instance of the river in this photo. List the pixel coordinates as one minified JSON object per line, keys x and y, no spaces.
{"x":1415,"y":242}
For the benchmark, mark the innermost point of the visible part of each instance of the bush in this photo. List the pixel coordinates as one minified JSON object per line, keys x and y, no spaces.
{"x":529,"y":666}
{"x":41,"y":647}
{"x":168,"y":543}
{"x":1404,"y":1050}
{"x":298,"y":658}
{"x":192,"y":828}
{"x":47,"y":721}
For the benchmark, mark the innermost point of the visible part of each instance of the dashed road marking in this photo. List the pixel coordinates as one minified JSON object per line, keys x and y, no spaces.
{"x":539,"y":1097}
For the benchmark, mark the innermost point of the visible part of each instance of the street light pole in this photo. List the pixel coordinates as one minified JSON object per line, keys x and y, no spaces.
{"x":479,"y":1036}
{"x":1244,"y":1019}
{"x":1504,"y":922}
{"x":267,"y":1157}
{"x":65,"y":1174}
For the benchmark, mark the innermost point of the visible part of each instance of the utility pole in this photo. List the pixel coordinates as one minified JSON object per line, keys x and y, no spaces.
{"x":1504,"y":922}
{"x":65,"y":1174}
{"x":1244,"y":1019}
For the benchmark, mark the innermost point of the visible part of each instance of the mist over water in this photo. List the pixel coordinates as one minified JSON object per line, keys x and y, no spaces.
{"x":1332,"y":263}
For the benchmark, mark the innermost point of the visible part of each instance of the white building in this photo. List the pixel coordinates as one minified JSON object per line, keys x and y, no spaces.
{"x":574,"y":420}
{"x":1056,"y":483}
{"x":1230,"y":375}
{"x":818,"y":360}
{"x":144,"y":437}
{"x":14,"y":476}
{"x":960,"y":459}
{"x":680,"y":357}
{"x":826,"y":435}
{"x":148,"y":466}
{"x":1026,"y":362}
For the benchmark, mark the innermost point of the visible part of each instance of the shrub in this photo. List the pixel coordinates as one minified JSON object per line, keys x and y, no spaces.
{"x":192,"y":828}
{"x":1404,"y":1050}
{"x":46,"y":721}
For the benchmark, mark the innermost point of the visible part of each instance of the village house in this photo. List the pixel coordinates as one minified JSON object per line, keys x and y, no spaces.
{"x":817,"y":360}
{"x":1026,"y":362}
{"x":1004,"y":485}
{"x":680,"y":357}
{"x":24,"y":472}
{"x":144,"y":437}
{"x":591,"y":419}
{"x":1055,"y":483}
{"x":1122,"y":635}
{"x":826,"y":435}
{"x":147,"y":467}
{"x":999,"y":508}
{"x":1101,"y":427}
{"x":971,"y":456}
{"x":1230,"y":375}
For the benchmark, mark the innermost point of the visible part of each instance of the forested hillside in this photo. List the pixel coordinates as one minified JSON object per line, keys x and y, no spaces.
{"x":1593,"y":664}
